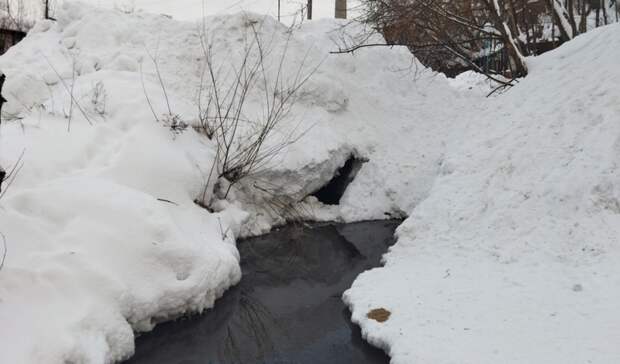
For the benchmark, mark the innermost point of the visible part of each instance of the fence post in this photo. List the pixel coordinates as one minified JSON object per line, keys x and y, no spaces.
{"x":341,"y":9}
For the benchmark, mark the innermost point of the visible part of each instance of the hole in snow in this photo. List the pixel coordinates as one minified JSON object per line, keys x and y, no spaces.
{"x":332,"y":192}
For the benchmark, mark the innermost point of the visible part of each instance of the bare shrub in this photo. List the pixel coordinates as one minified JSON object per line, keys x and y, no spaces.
{"x":246,"y":144}
{"x":10,"y":179}
{"x":70,"y":89}
{"x":98,"y":98}
{"x":173,"y":121}
{"x":284,"y":206}
{"x":14,"y":16}
{"x":489,"y":36}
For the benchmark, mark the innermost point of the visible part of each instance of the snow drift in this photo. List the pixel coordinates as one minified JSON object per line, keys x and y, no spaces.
{"x":508,"y":254}
{"x":102,"y":231}
{"x":512,"y":257}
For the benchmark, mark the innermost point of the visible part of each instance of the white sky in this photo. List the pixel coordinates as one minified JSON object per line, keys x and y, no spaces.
{"x":193,"y":9}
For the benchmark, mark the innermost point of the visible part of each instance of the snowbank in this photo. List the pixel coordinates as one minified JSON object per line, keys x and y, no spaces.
{"x":102,"y":232}
{"x":378,"y":105}
{"x":512,"y":257}
{"x":502,"y":259}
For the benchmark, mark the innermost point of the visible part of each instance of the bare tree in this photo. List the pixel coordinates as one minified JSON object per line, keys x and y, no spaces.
{"x":446,"y":33}
{"x":453,"y":36}
{"x":10,"y":177}
{"x":246,"y":142}
{"x":565,"y":20}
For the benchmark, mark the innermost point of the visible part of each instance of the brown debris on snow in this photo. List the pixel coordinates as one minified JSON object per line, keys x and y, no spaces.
{"x":379,"y":314}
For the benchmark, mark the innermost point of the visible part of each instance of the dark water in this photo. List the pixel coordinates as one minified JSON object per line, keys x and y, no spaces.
{"x":287,"y":308}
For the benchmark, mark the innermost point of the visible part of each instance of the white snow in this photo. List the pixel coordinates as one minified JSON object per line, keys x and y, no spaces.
{"x":507,"y":255}
{"x":513,"y":255}
{"x":92,"y":252}
{"x":102,"y":233}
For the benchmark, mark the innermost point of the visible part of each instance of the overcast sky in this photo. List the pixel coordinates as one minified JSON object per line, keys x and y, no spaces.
{"x":193,"y":9}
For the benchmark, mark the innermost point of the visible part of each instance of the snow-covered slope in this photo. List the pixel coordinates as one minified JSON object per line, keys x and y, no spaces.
{"x":508,"y":255}
{"x":513,"y":256}
{"x":102,"y":233}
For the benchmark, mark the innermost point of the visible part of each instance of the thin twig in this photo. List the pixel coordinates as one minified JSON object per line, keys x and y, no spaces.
{"x":12,"y":175}
{"x":146,"y":94}
{"x":161,"y":80}
{"x":68,"y":90}
{"x":4,"y":252}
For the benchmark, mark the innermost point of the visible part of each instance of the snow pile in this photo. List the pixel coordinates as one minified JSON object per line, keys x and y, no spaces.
{"x":104,"y":237}
{"x":102,"y":232}
{"x":513,"y":256}
{"x":378,"y":105}
{"x":475,"y":83}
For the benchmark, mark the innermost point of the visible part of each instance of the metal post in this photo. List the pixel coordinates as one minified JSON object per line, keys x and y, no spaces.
{"x":341,"y":9}
{"x":309,"y":9}
{"x":278,"y":10}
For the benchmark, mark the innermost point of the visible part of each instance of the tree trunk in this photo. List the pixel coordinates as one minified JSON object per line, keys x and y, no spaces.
{"x":515,"y":54}
{"x":309,"y":9}
{"x":585,"y":11}
{"x":571,"y":17}
{"x":563,"y":16}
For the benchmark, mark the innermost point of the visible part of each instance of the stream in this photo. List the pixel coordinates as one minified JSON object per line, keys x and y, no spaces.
{"x":287,"y":307}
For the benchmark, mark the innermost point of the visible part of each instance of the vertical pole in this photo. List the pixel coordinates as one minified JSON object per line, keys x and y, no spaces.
{"x":278,"y":10}
{"x":341,"y":9}
{"x":2,"y":101}
{"x":309,"y":9}
{"x":47,"y":10}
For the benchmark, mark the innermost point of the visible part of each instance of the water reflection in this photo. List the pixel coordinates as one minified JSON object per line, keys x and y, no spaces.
{"x":287,"y":308}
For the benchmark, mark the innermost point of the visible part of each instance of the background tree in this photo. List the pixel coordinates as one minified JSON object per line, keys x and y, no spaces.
{"x":490,"y":36}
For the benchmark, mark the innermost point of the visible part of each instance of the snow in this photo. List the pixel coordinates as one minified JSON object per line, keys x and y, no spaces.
{"x":103,"y":235}
{"x":513,"y":255}
{"x":474,"y":83}
{"x":507,"y":254}
{"x":92,"y":252}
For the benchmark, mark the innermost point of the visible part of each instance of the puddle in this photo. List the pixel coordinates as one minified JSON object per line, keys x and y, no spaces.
{"x":287,"y":307}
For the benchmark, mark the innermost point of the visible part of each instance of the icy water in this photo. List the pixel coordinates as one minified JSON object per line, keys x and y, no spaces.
{"x":287,"y":307}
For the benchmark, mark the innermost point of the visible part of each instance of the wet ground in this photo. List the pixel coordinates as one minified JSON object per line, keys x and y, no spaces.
{"x":287,"y":307}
